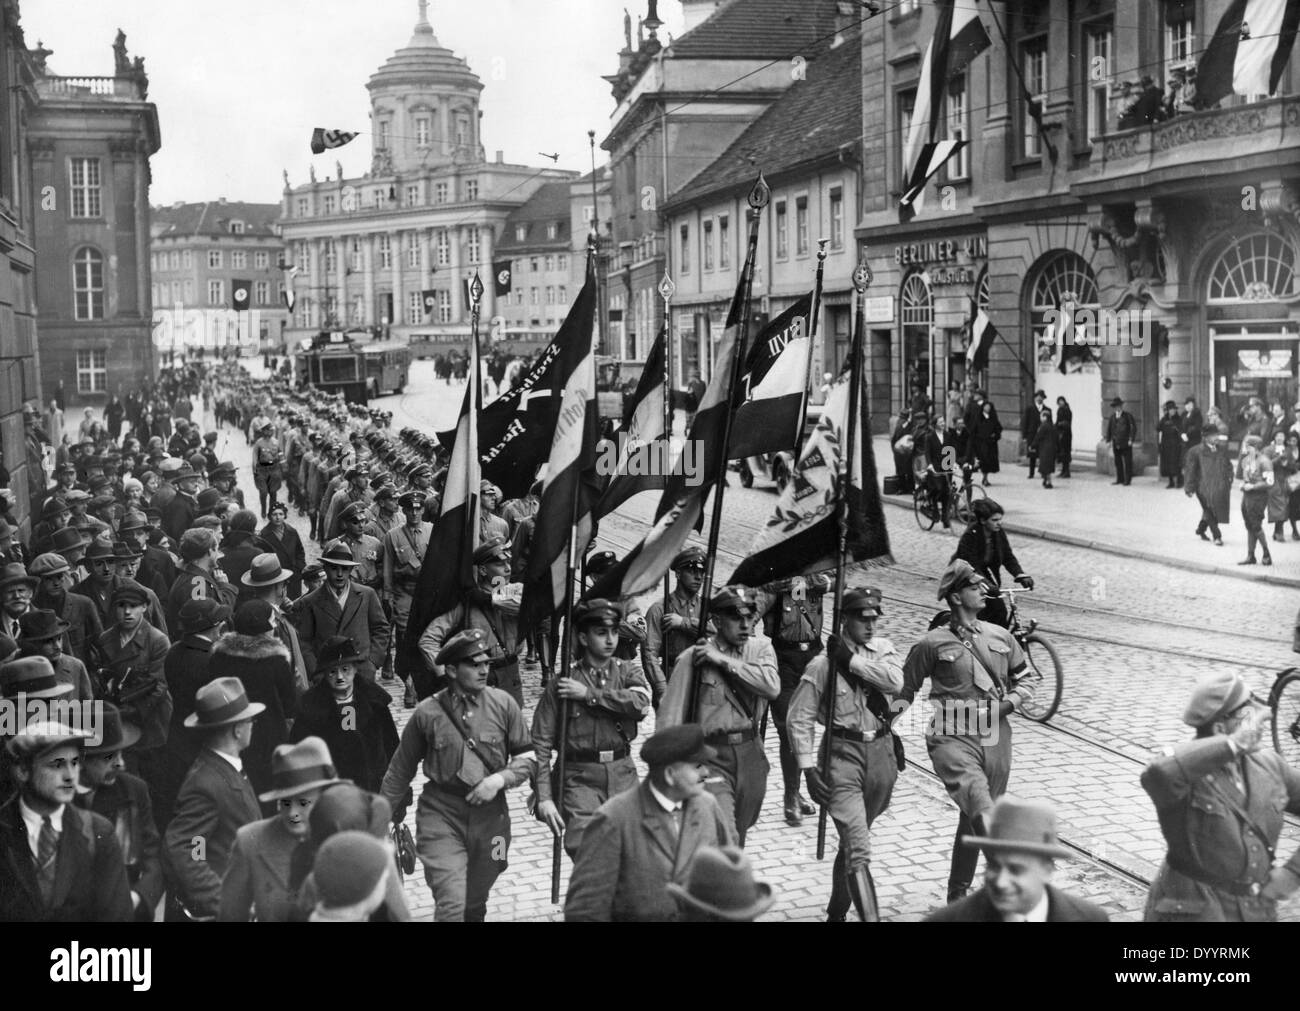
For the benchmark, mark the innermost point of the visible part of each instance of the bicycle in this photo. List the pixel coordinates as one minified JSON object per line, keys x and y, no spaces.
{"x":962,"y":494}
{"x":1048,"y":686}
{"x":1284,"y":701}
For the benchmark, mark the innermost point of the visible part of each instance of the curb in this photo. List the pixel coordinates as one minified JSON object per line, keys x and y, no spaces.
{"x":1111,"y":549}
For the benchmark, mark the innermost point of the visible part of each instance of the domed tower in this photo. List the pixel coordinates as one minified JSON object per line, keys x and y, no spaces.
{"x":424,"y":106}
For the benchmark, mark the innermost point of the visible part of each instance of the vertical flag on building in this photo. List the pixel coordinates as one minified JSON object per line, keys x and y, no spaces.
{"x":982,"y":335}
{"x":570,"y":488}
{"x":644,"y":455}
{"x":287,"y":292}
{"x":429,"y":300}
{"x":681,"y":508}
{"x":241,"y":296}
{"x":448,"y":567}
{"x":501,"y":276}
{"x":772,"y":385}
{"x":322,"y":139}
{"x":1249,"y":50}
{"x":802,"y":536}
{"x":959,"y":36}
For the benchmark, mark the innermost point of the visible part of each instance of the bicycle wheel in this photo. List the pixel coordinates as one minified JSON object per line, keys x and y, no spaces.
{"x":924,"y":509}
{"x":1285,"y":703}
{"x":963,"y":508}
{"x":1048,"y":679}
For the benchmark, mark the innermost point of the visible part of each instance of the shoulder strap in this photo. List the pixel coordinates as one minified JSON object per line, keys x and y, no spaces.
{"x":970,"y":648}
{"x":1244,"y":817}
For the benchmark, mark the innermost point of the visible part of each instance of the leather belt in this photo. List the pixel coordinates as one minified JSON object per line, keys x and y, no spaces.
{"x":1241,"y":889}
{"x":857,"y":736}
{"x":730,"y":736}
{"x":802,"y":647}
{"x":455,"y":788}
{"x":593,"y":755}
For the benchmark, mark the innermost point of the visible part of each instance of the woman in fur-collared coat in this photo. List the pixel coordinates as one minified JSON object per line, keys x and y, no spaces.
{"x":252,"y":653}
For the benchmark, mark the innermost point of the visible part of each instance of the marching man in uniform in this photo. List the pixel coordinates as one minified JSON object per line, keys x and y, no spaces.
{"x":737,"y":678}
{"x":669,"y":633}
{"x":972,"y":666}
{"x":609,"y":697}
{"x":863,"y":766}
{"x":404,"y":548}
{"x":474,"y":747}
{"x":1220,"y":800}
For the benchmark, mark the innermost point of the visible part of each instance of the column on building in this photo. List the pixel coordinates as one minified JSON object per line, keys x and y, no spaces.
{"x":395,"y":264}
{"x":368,"y":314}
{"x":459,"y":311}
{"x":425,"y":238}
{"x":314,"y":272}
{"x":485,"y":237}
{"x":341,"y":254}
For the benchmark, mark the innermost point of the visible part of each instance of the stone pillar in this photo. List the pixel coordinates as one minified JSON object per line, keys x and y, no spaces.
{"x":395,"y":262}
{"x":341,"y":253}
{"x":459,"y":310}
{"x":370,"y":316}
{"x":485,"y":235}
{"x":314,"y":270}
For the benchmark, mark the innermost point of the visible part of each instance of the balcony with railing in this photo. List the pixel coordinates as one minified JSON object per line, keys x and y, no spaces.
{"x":96,"y":89}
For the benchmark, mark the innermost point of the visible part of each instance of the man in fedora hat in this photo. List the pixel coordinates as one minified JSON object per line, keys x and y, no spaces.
{"x":346,"y":608}
{"x":57,"y":864}
{"x":199,"y":575}
{"x":352,"y":716}
{"x":16,"y":590}
{"x":78,"y":502}
{"x":721,"y":888}
{"x":42,"y":633}
{"x":268,"y":581}
{"x":215,"y":800}
{"x":260,"y":878}
{"x":97,"y":587}
{"x":863,"y":765}
{"x":109,"y":790}
{"x":976,"y":681}
{"x":671,"y":631}
{"x":1121,"y":430}
{"x":178,"y":514}
{"x":126,"y":563}
{"x":54,"y":515}
{"x":11,"y":548}
{"x":404,"y":548}
{"x":496,"y":617}
{"x":32,"y":677}
{"x":1020,"y":851}
{"x":1220,"y":799}
{"x":71,"y":544}
{"x":647,"y":837}
{"x":473,"y":746}
{"x":738,"y":677}
{"x":607,"y":698}
{"x":157,"y":568}
{"x":241,"y":545}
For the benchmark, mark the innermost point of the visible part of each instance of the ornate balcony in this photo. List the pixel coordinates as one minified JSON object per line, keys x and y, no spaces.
{"x":98,"y":89}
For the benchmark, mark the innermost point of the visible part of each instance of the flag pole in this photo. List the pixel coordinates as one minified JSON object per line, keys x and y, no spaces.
{"x":476,"y":389}
{"x":561,"y":742}
{"x":861,"y":279}
{"x":758,"y":199}
{"x":666,"y":291}
{"x":812,"y":337}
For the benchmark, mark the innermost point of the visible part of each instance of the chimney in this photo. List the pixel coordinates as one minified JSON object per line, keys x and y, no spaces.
{"x":501,"y":157}
{"x":697,"y":11}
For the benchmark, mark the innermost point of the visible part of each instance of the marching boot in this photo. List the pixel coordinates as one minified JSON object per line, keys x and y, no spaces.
{"x":838,"y":906}
{"x":864,"y":894}
{"x":965,"y":859}
{"x":793,"y":816}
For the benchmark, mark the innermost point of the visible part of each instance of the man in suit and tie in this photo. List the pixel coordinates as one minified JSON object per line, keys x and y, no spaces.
{"x":1019,"y":855}
{"x":344,"y":607}
{"x":57,"y":864}
{"x":216,"y":799}
{"x":647,"y":837}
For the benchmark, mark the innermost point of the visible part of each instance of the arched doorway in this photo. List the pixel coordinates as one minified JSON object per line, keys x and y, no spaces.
{"x":917,"y":321}
{"x":1251,"y":295}
{"x":1065,"y":363}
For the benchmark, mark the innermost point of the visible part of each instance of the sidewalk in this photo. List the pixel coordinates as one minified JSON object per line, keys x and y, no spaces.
{"x":1144,"y":520}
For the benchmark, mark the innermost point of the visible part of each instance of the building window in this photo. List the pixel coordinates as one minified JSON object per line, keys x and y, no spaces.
{"x":552,"y":230}
{"x":214,"y":292}
{"x":92,"y":370}
{"x":413,"y":257}
{"x":444,"y":306}
{"x":304,"y":314}
{"x":261,"y":260}
{"x":724,"y":241}
{"x":444,"y":248}
{"x":917,"y":317}
{"x":1097,"y":89}
{"x":471,"y":189}
{"x":86,"y":201}
{"x":837,"y":217}
{"x":685,"y":260}
{"x":1033,"y":66}
{"x":215,"y":259}
{"x":421,"y":130}
{"x":189,"y":292}
{"x":175,"y":260}
{"x":385,"y":132}
{"x":521,"y":233}
{"x":187,"y":259}
{"x":238,"y":260}
{"x":88,"y":283}
{"x":958,"y":166}
{"x":708,"y":244}
{"x":440,"y":193}
{"x":236,"y":228}
{"x":412,"y":194}
{"x":550,"y":294}
{"x":472,"y":245}
{"x":176,"y":291}
{"x":380,"y":197}
{"x":262,"y":292}
{"x":906,"y":104}
{"x":562,"y":295}
{"x":533,"y":264}
{"x":385,"y":252}
{"x":462,"y":129}
{"x":329,"y":203}
{"x":414,"y":308}
{"x":302,"y":207}
{"x":550,"y":263}
{"x":304,"y":258}
{"x":562,"y":263}
{"x":1259,"y":267}
{"x":782,"y":231}
{"x":801,"y":226}
{"x":532,"y":296}
{"x":1180,"y":34}
{"x":331,"y":263}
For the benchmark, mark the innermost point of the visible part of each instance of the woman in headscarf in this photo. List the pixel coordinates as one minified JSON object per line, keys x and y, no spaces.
{"x":986,"y":547}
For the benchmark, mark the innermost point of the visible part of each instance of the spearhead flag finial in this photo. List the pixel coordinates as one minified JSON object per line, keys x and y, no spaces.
{"x":666,"y":287}
{"x":476,"y":288}
{"x":760,"y":194}
{"x":862,"y":276}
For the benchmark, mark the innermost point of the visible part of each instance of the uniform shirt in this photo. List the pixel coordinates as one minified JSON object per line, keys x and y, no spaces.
{"x":494,"y":722}
{"x":666,"y":646}
{"x":381,"y":524}
{"x":368,"y":553}
{"x":619,"y":696}
{"x":955,"y":674}
{"x":754,"y":676}
{"x":794,"y":621}
{"x":502,"y":632}
{"x":875,"y":664}
{"x":404,"y":550}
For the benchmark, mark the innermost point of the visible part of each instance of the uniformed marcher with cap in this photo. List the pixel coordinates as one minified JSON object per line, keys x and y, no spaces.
{"x":975,"y":670}
{"x":1220,"y":799}
{"x":496,"y":616}
{"x":471,"y":741}
{"x":404,"y":548}
{"x":670,"y":632}
{"x":738,"y":677}
{"x":366,"y":550}
{"x":606,"y":697}
{"x":863,"y":765}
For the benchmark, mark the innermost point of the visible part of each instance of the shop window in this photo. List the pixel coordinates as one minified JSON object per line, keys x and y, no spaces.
{"x":1259,"y":267}
{"x":917,"y":304}
{"x":1064,"y":285}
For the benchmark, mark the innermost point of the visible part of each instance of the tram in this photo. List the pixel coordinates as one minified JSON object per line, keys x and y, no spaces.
{"x":349,"y":362}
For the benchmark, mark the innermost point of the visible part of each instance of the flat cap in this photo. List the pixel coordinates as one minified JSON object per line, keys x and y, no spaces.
{"x":492,"y":548}
{"x":597,"y":611}
{"x":130,"y":591}
{"x":1214,"y":697}
{"x":683,"y":743}
{"x":472,"y":642}
{"x":862,"y":600}
{"x":736,"y":599}
{"x":49,"y":564}
{"x":694,"y":557}
{"x":957,"y":576}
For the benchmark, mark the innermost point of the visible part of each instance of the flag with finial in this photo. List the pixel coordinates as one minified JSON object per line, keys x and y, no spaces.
{"x":322,"y":139}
